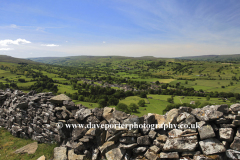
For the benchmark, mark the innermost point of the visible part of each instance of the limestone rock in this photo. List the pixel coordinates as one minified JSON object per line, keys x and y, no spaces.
{"x":169,"y":155}
{"x":235,"y":107}
{"x":95,"y":154}
{"x":93,"y":132}
{"x":150,"y":119}
{"x":236,"y":122}
{"x":152,"y":134}
{"x":226,"y":134}
{"x":60,"y":153}
{"x":211,"y":146}
{"x":158,"y":144}
{"x":233,"y":154}
{"x":238,"y":132}
{"x":151,"y":155}
{"x":69,"y":104}
{"x":107,"y":146}
{"x":222,"y":108}
{"x":206,"y":114}
{"x":236,"y":144}
{"x":30,"y":148}
{"x":182,"y":117}
{"x":60,"y":98}
{"x":181,"y":144}
{"x":78,"y":133}
{"x":174,"y":133}
{"x":162,"y":138}
{"x":119,"y":115}
{"x":128,"y":140}
{"x":139,"y":150}
{"x":206,"y":132}
{"x":108,"y":113}
{"x":83,"y":113}
{"x":160,"y":120}
{"x":143,"y":140}
{"x":42,"y":158}
{"x":127,"y":146}
{"x":98,"y":112}
{"x":189,"y":120}
{"x":73,"y":156}
{"x":154,"y":149}
{"x":172,"y":116}
{"x":134,"y":120}
{"x":115,"y":154}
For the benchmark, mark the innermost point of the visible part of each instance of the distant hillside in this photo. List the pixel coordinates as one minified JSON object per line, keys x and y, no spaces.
{"x":222,"y":58}
{"x":77,"y":60}
{"x":9,"y":59}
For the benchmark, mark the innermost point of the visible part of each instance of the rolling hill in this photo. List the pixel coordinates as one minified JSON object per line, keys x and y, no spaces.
{"x":77,"y":60}
{"x":9,"y":59}
{"x":221,"y":58}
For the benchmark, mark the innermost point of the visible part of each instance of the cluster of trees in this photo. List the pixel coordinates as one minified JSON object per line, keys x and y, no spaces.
{"x":127,"y":109}
{"x":104,"y":96}
{"x":44,"y":83}
{"x":131,"y":108}
{"x":2,"y":86}
{"x":11,"y":85}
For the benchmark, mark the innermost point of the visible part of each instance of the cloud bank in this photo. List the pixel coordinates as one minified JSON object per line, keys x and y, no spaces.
{"x":50,"y":45}
{"x":7,"y":42}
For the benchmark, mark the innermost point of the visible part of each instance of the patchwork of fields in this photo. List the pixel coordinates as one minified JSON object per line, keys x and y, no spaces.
{"x":202,"y":76}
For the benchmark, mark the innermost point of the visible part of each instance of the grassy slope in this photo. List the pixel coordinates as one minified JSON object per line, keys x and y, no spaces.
{"x":9,"y":59}
{"x":9,"y":143}
{"x":214,"y":57}
{"x":75,"y":60}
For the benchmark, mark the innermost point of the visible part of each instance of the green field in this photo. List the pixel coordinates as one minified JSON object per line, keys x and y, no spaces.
{"x":203,"y":76}
{"x":9,"y":143}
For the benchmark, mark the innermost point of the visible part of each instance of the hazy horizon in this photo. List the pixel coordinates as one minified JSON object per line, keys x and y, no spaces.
{"x":166,"y":29}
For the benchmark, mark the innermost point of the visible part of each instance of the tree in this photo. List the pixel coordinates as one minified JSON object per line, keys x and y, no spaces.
{"x":21,"y":80}
{"x":233,"y":100}
{"x":208,"y":98}
{"x":122,"y":107}
{"x":170,"y":100}
{"x":2,"y":86}
{"x":143,"y":95}
{"x":133,"y":107}
{"x":81,"y":98}
{"x":113,"y":101}
{"x":75,"y":96}
{"x":157,"y":82}
{"x":13,"y":85}
{"x":102,"y":103}
{"x":141,"y":103}
{"x":186,"y":82}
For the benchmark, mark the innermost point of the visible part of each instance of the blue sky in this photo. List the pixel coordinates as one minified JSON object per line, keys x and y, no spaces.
{"x":160,"y":28}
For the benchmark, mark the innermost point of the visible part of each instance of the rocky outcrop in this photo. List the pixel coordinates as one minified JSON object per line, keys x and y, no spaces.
{"x":30,"y":148}
{"x":211,"y":132}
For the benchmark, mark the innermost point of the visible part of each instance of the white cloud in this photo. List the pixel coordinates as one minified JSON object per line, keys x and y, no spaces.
{"x":103,"y":42}
{"x":6,"y":49}
{"x":7,"y":42}
{"x":50,"y":45}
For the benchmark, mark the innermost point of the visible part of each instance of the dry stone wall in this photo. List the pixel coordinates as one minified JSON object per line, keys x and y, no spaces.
{"x":37,"y":116}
